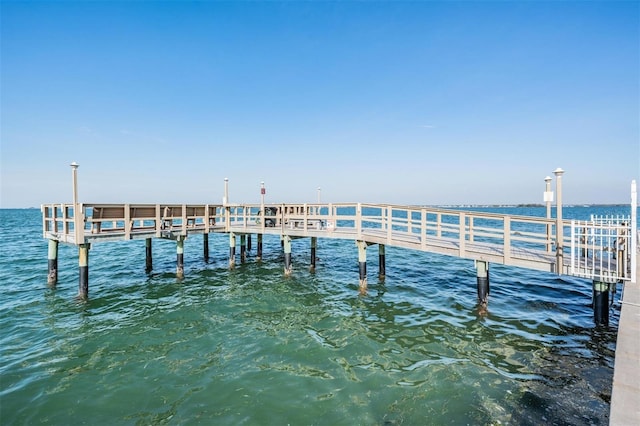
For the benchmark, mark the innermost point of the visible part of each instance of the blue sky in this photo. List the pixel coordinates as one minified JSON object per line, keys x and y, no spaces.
{"x":389,"y":102}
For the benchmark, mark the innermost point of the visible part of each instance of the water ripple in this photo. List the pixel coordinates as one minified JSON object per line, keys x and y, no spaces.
{"x":249,"y":345}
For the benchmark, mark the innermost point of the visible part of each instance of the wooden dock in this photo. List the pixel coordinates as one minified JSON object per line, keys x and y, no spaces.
{"x":523,"y":241}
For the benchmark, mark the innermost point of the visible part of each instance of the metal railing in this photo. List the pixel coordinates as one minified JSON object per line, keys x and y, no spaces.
{"x":601,"y":248}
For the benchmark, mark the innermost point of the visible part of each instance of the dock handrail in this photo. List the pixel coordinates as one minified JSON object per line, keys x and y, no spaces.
{"x":489,"y":236}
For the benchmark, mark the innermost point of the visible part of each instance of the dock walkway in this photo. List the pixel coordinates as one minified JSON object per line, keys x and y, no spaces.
{"x":523,"y":241}
{"x":625,"y":396}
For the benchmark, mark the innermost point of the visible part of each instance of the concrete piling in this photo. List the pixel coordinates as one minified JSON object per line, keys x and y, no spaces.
{"x":286,"y":240}
{"x":382,"y":270}
{"x":232,"y":250}
{"x":482,"y":274}
{"x":180,"y":257}
{"x":362,"y":265}
{"x":259,"y":254}
{"x":314,"y":244}
{"x":243,"y":248}
{"x":83,"y":269}
{"x":148,"y":263}
{"x":52,"y":257}
{"x":600,"y":303}
{"x":249,"y":242}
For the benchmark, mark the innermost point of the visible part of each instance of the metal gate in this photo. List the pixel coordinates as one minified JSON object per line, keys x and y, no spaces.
{"x":605,"y":248}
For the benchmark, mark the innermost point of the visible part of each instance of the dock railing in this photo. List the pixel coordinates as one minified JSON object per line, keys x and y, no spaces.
{"x":508,"y":239}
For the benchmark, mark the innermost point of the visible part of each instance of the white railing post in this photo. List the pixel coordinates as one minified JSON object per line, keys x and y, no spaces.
{"x":358,"y":223}
{"x":559,"y":227}
{"x":423,"y":229}
{"x":158,"y":221}
{"x":634,"y":231}
{"x":462,"y":234}
{"x":127,"y":222}
{"x":573,"y":247}
{"x":507,"y":240}
{"x":77,"y":224}
{"x":548,"y":198}
{"x":389,"y":224}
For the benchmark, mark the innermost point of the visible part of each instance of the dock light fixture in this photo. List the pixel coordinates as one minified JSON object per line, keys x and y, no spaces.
{"x":559,"y":228}
{"x":225,"y":200}
{"x":262,"y":192}
{"x":74,"y":178}
{"x":548,"y":195}
{"x":548,"y":199}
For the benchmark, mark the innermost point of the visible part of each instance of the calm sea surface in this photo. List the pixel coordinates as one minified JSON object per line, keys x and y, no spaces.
{"x":252,"y":347}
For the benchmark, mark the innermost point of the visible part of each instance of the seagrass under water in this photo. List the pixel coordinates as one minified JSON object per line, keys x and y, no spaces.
{"x":250,"y":346}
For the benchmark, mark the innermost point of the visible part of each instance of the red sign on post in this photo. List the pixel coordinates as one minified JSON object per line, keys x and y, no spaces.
{"x":263,"y":191}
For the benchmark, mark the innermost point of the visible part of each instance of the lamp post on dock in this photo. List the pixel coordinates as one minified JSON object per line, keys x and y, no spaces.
{"x":559,"y":228}
{"x":263,"y":191}
{"x":548,"y":198}
{"x":225,"y":200}
{"x":225,"y":203}
{"x":548,"y":195}
{"x":77,"y":223}
{"x":74,"y":177}
{"x":319,"y":190}
{"x":83,"y":249}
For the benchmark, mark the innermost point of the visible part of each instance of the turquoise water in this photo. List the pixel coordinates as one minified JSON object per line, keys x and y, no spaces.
{"x":252,"y":347}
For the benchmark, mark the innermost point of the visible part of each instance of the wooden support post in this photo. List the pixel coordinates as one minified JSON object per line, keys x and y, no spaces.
{"x":362,"y":265}
{"x":286,"y":241}
{"x":52,"y":260}
{"x":259,"y":246}
{"x":232,"y":250}
{"x":314,"y":244}
{"x":482,"y":274}
{"x":180,"y":257}
{"x":382,"y":270}
{"x":205,"y":246}
{"x":249,"y":242}
{"x":83,"y":270}
{"x":600,"y":303}
{"x":148,"y":264}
